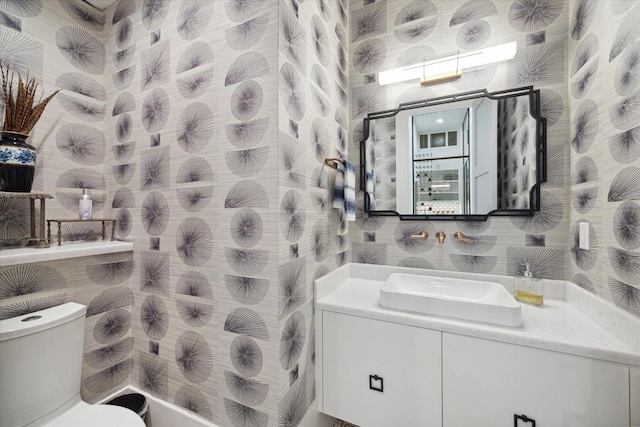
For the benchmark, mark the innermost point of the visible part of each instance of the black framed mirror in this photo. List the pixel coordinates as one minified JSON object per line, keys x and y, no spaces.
{"x":465,"y":156}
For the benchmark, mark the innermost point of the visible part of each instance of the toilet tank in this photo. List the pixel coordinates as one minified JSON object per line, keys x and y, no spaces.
{"x":40,"y":362}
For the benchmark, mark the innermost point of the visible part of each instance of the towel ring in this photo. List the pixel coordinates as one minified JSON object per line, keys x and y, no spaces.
{"x":333,"y":162}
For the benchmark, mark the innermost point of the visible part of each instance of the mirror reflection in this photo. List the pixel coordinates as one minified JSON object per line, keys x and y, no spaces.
{"x":467,"y":155}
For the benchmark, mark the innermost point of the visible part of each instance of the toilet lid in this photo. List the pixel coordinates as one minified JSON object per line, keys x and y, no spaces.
{"x":85,"y":415}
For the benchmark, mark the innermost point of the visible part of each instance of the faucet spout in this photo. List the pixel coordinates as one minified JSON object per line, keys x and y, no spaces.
{"x":462,"y":238}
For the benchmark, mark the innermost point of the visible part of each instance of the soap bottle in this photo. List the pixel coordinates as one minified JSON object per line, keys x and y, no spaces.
{"x":86,"y":205}
{"x":528,"y":289}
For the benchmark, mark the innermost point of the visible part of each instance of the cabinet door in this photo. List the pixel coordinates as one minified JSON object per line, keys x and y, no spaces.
{"x":485,"y":383}
{"x":379,"y":373}
{"x":634,"y":396}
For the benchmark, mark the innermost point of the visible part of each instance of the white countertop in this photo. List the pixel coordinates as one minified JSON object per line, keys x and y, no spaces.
{"x":557,"y":326}
{"x":14,"y":256}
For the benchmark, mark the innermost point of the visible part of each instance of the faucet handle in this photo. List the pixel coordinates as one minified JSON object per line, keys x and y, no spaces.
{"x":462,"y":238}
{"x":421,"y":235}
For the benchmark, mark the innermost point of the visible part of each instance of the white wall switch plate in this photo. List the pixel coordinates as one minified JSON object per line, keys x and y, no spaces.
{"x":584,"y":236}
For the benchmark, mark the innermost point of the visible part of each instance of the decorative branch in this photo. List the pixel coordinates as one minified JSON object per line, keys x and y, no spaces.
{"x":20,"y":113}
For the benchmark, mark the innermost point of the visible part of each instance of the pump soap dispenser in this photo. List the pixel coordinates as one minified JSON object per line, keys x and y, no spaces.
{"x":85,"y":209}
{"x":528,"y":289}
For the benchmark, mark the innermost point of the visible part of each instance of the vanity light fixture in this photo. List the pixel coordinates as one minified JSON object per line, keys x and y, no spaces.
{"x":450,"y":67}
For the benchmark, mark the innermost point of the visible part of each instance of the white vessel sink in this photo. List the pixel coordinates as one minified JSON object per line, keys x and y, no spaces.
{"x":460,"y":298}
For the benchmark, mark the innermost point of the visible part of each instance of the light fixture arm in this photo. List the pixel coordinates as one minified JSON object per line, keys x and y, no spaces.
{"x":446,"y":76}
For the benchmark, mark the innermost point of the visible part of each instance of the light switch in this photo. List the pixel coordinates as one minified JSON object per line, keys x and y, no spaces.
{"x":584,"y":236}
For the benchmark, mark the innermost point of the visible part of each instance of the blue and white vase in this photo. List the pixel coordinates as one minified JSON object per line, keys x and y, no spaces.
{"x":17,"y":162}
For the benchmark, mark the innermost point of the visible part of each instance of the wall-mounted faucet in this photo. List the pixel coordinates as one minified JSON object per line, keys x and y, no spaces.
{"x":440,"y":236}
{"x":421,"y":235}
{"x":461,"y":237}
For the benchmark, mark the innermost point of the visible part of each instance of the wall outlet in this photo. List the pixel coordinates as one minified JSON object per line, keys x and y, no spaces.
{"x":583,"y":242}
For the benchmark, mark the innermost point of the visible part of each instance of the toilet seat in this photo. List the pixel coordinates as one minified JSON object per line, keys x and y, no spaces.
{"x":83,"y":414}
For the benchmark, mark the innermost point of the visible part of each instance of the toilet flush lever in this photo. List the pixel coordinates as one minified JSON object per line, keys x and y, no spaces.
{"x":376,"y":383}
{"x":421,"y":235}
{"x":524,"y":419}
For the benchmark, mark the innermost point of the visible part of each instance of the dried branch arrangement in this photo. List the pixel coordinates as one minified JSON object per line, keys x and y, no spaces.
{"x":20,"y":114}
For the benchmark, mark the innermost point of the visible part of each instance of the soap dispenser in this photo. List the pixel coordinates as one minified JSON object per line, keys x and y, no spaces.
{"x":85,"y":210}
{"x":528,"y":289}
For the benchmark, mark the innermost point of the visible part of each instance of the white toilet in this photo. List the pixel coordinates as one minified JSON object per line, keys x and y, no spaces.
{"x":40,"y":373}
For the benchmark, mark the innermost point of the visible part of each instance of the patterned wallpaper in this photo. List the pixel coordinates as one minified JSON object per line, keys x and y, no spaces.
{"x":202,"y":127}
{"x":313,"y":237}
{"x":165,"y":90}
{"x":603,"y":82}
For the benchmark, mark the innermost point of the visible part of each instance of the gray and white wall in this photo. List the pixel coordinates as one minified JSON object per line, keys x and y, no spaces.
{"x":604,"y":188}
{"x":202,"y":126}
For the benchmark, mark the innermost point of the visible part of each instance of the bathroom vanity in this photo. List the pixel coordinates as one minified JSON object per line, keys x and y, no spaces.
{"x":573,"y":362}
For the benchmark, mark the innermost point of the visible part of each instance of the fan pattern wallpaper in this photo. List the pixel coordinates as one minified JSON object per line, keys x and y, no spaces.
{"x":605,"y":150}
{"x":202,"y":126}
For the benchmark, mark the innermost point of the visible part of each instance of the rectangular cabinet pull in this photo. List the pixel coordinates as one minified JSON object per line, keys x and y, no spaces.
{"x":376,"y":383}
{"x":524,"y":418}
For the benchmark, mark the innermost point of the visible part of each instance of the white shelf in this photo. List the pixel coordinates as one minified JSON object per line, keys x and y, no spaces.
{"x":16,"y":256}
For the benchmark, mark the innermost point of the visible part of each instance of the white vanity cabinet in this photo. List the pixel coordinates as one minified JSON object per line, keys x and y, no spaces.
{"x":486,"y":382}
{"x":575,"y":362}
{"x":379,"y":374}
